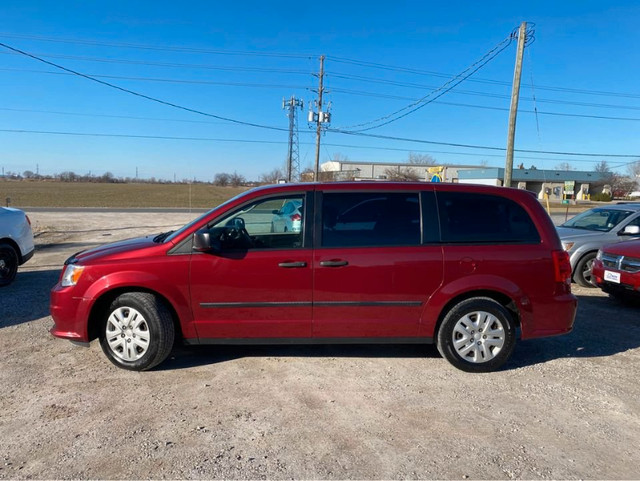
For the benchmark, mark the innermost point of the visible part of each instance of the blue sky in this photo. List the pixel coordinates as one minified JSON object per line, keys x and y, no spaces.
{"x":239,"y":59}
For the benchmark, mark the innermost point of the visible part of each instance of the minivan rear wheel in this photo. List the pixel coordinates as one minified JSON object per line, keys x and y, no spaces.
{"x":477,"y":335}
{"x":137,"y":332}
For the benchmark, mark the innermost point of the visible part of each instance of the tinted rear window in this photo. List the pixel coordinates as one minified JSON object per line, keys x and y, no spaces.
{"x":473,"y":218}
{"x":370,"y":219}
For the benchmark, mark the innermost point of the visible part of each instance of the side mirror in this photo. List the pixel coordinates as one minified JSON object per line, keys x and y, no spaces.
{"x":630,"y":230}
{"x":203,"y":242}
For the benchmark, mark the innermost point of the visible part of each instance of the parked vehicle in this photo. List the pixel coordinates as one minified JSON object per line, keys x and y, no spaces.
{"x":616,"y":270}
{"x":587,"y":232}
{"x":468,"y":268}
{"x":288,"y":218}
{"x":16,"y":243}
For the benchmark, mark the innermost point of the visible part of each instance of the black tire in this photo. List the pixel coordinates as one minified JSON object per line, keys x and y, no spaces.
{"x":582,"y":274}
{"x":473,"y":350}
{"x":137,"y":331}
{"x":8,"y":264}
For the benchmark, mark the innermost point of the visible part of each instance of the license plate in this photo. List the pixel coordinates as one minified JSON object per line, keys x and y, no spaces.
{"x":612,"y":276}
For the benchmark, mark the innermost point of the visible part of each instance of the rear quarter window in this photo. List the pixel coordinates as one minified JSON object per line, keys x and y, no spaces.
{"x":483,"y":218}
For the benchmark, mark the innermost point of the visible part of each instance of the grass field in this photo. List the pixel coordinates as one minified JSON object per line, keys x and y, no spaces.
{"x":86,"y":194}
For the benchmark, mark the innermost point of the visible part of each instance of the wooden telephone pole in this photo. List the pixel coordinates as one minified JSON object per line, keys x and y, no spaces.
{"x":513,"y":111}
{"x":316,"y":174}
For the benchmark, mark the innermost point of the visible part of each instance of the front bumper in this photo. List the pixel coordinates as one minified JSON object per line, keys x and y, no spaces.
{"x":70,"y":315}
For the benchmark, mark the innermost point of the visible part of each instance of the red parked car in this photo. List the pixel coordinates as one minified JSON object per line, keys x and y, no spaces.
{"x":468,"y":268}
{"x":616,"y":270}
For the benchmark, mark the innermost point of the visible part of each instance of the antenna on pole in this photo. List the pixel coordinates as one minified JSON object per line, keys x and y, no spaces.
{"x":293,"y":156}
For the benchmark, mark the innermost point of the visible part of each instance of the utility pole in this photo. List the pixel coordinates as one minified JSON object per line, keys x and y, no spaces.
{"x":319,"y":118}
{"x":513,"y":110}
{"x":293,"y":157}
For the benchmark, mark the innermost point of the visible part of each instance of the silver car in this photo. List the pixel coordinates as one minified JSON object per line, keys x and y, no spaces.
{"x":587,"y":232}
{"x":16,"y":242}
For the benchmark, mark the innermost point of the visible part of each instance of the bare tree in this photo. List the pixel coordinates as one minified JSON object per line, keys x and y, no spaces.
{"x":236,"y":180}
{"x":402,"y":174}
{"x":221,"y":179}
{"x":423,"y":159}
{"x":272,"y":177}
{"x":634,"y":169}
{"x":564,"y":166}
{"x":603,"y":167}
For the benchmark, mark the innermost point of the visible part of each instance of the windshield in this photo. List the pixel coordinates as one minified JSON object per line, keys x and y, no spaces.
{"x":199,"y":219}
{"x":599,"y":220}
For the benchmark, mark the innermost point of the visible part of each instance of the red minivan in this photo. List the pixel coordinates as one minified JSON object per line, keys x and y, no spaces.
{"x":469,"y":268}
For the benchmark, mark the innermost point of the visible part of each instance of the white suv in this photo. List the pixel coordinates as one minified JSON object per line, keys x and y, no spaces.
{"x":16,"y":242}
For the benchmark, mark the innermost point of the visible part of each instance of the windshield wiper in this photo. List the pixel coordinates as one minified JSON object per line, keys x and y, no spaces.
{"x":163,"y":236}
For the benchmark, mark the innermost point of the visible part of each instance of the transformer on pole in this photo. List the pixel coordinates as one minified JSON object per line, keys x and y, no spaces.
{"x":293,"y":156}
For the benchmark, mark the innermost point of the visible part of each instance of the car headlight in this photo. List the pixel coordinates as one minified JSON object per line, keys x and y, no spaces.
{"x":71,"y":275}
{"x":567,"y":245}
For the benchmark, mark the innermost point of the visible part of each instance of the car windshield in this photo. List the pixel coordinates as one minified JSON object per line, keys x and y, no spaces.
{"x":600,"y":219}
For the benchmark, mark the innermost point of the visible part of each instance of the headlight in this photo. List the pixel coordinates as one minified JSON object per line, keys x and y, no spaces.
{"x":568,"y":245}
{"x":599,"y":255}
{"x":71,"y":275}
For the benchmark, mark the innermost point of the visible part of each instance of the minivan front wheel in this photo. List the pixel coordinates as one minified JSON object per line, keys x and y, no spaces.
{"x":137,"y":332}
{"x":477,"y":335}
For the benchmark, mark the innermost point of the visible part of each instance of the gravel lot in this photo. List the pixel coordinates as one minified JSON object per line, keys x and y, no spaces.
{"x":566,"y":407}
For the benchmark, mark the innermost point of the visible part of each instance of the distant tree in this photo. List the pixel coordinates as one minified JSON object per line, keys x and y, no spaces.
{"x":107,"y":177}
{"x":236,"y":180}
{"x":401,"y":174}
{"x":272,"y":177}
{"x":68,"y":176}
{"x":338,"y":157}
{"x":603,"y":167}
{"x":563,"y":166}
{"x":423,"y":159}
{"x":28,"y":174}
{"x":221,"y":179}
{"x":634,"y":169}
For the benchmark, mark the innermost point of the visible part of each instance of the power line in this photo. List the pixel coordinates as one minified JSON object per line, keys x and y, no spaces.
{"x":169,"y":64}
{"x":487,"y":107}
{"x":484,"y":147}
{"x":446,"y":87}
{"x":301,"y":56}
{"x":482,"y":94}
{"x":346,"y":91}
{"x":480,"y":80}
{"x":247,"y":141}
{"x":137,"y":94}
{"x":165,"y":48}
{"x":164,"y":80}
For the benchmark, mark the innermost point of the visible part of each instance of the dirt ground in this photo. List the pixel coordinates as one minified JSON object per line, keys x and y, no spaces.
{"x":565,"y":407}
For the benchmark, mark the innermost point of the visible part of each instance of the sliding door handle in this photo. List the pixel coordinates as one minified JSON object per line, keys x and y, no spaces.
{"x":293,"y":264}
{"x":334,"y":263}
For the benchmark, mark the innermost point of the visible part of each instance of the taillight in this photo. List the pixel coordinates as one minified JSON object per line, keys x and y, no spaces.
{"x":28,"y":220}
{"x":562,"y":266}
{"x":296,"y":217}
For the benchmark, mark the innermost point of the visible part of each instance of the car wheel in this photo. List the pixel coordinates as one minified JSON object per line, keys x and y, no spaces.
{"x":137,"y":332}
{"x":8,"y":264}
{"x":582,"y":275}
{"x":477,"y":335}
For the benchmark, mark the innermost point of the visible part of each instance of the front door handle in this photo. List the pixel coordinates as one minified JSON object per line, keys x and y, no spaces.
{"x":293,"y":264}
{"x":334,"y":263}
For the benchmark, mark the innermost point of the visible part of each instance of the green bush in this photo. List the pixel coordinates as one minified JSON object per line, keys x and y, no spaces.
{"x":602,"y":197}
